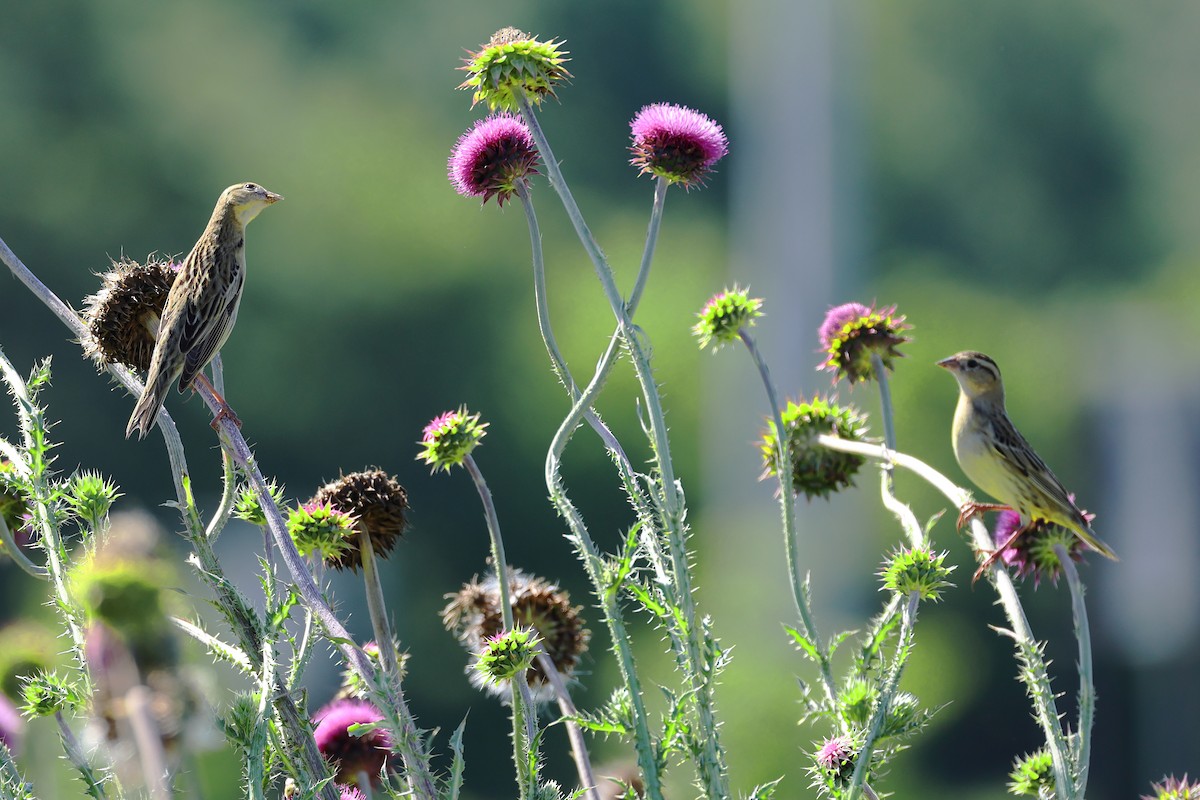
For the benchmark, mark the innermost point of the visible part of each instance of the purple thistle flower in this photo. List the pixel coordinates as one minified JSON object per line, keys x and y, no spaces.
{"x":835,"y":751}
{"x":1172,"y":788}
{"x":1033,"y":551}
{"x":493,"y":158}
{"x":350,"y":793}
{"x":837,"y":318}
{"x":851,"y":333}
{"x":676,"y":143}
{"x":11,"y":724}
{"x":352,"y":755}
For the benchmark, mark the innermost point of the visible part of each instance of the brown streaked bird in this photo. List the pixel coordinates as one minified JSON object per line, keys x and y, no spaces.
{"x":203,"y":303}
{"x":997,"y":459}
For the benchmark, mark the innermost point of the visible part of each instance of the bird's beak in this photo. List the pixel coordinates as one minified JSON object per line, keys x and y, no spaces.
{"x":948,"y":363}
{"x":273,"y":198}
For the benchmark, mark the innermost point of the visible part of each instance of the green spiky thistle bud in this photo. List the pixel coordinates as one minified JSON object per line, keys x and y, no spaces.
{"x":514,"y":62}
{"x":918,"y":570}
{"x":89,"y":496}
{"x":25,"y":648}
{"x":856,"y":702}
{"x":321,"y":530}
{"x":816,"y":471}
{"x":46,"y":693}
{"x":450,"y":438}
{"x":249,"y":509}
{"x":506,"y":655}
{"x":1033,"y":775}
{"x":724,"y":315}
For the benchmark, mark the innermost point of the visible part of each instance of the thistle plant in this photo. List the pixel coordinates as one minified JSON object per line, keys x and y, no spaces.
{"x":118,"y":663}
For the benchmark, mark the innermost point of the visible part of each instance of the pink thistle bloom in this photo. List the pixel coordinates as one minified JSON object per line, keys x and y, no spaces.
{"x":835,"y":752}
{"x":676,"y":143}
{"x":352,"y":755}
{"x":493,"y":159}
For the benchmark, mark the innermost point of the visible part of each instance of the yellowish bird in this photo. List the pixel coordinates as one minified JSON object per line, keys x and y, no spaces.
{"x":203,"y":303}
{"x":996,"y":457}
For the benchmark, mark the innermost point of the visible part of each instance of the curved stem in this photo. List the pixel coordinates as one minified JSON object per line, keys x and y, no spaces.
{"x":558,"y":363}
{"x":787,"y":504}
{"x":22,"y":560}
{"x":1087,"y":689}
{"x":710,"y":759}
{"x":637,"y":352}
{"x":902,"y":512}
{"x":1038,"y":679}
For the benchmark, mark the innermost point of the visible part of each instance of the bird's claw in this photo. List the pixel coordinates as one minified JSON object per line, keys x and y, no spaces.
{"x":225,"y":412}
{"x":995,"y":554}
{"x":972,"y":508}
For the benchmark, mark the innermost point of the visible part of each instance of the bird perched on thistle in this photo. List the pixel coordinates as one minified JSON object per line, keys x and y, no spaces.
{"x":203,"y":303}
{"x":996,"y":457}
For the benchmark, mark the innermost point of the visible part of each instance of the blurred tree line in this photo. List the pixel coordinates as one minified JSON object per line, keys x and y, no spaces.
{"x":1019,"y":162}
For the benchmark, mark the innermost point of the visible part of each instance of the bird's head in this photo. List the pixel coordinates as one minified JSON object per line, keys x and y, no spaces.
{"x":977,"y":374}
{"x":245,"y":200}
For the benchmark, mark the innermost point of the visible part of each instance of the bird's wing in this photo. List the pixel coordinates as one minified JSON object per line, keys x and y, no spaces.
{"x":207,"y":327}
{"x":1018,"y":455}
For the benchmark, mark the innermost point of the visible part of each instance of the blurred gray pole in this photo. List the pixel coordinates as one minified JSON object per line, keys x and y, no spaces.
{"x":782,"y":243}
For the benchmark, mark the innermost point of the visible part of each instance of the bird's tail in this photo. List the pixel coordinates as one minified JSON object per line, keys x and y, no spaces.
{"x":1084,"y":531}
{"x":145,"y":413}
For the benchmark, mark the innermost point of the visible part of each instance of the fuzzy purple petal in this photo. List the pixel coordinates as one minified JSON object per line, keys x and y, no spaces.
{"x":490,"y":158}
{"x":676,"y":143}
{"x":351,"y":754}
{"x":836,"y":319}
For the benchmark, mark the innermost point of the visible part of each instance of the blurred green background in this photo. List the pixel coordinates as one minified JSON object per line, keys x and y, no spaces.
{"x":1018,"y":176}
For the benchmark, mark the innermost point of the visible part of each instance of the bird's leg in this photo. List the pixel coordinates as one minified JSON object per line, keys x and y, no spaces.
{"x":987,"y":562}
{"x":224,"y":412}
{"x":972,"y":508}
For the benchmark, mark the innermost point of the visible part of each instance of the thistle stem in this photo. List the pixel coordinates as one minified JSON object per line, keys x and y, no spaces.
{"x":887,"y":691}
{"x":376,"y":606}
{"x":1087,"y":689}
{"x":522,"y":739}
{"x":902,"y":512}
{"x":75,"y":754}
{"x":579,"y":752}
{"x":787,"y":505}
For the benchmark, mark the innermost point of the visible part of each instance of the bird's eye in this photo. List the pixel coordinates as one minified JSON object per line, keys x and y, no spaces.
{"x":972,"y":363}
{"x":250,"y":187}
